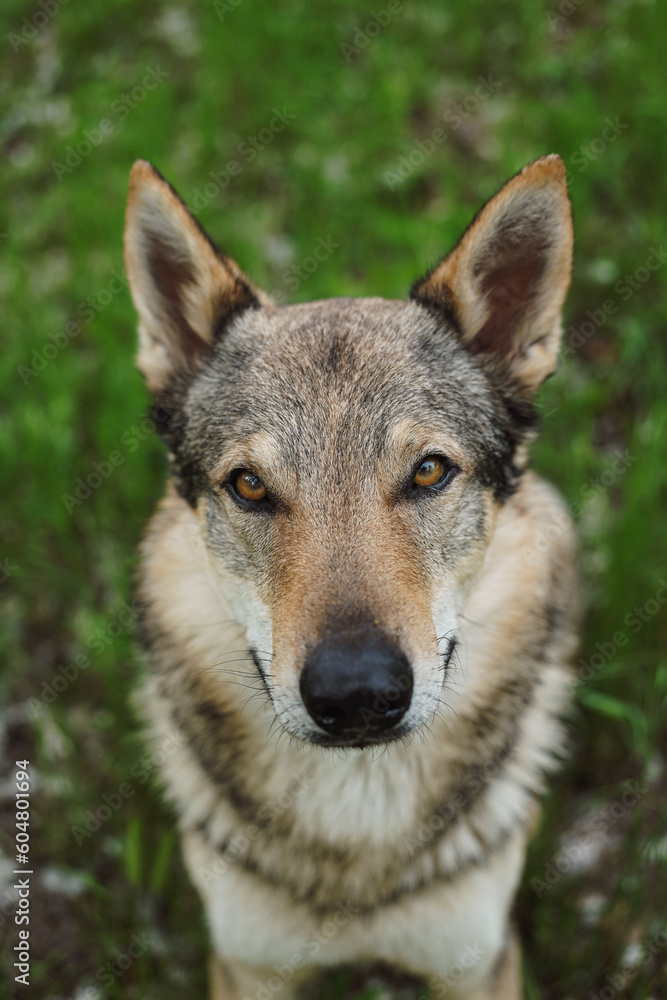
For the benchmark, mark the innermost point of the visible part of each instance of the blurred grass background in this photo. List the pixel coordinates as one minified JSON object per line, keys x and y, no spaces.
{"x":583,"y":79}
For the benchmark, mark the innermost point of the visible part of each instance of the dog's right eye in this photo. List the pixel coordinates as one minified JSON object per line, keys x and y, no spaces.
{"x":434,"y":473}
{"x":247,"y":486}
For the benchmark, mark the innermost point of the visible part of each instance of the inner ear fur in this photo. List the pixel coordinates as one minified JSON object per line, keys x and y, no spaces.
{"x":184,"y":288}
{"x":504,"y":284}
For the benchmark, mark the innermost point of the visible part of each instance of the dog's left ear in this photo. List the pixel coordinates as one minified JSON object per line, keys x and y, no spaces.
{"x":184,"y":289}
{"x":504,"y":284}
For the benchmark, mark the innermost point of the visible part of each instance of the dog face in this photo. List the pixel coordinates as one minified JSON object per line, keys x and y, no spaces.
{"x":346,"y":459}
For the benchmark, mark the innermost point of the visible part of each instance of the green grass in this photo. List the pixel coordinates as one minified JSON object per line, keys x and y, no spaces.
{"x":549,"y":87}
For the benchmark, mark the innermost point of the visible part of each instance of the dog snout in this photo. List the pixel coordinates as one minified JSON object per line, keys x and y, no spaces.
{"x":357,"y":685}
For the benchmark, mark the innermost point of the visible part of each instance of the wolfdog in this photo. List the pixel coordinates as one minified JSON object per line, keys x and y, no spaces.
{"x":357,"y":612}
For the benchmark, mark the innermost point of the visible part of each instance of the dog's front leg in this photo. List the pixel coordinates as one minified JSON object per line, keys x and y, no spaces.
{"x":222,"y":986}
{"x":505,"y":980}
{"x":232,"y":981}
{"x":238,"y":981}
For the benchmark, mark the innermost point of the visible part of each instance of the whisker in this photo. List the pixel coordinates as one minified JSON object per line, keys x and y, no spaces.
{"x":219,"y":624}
{"x":478,"y":624}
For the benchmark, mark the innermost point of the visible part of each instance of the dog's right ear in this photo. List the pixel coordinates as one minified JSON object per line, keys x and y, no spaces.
{"x":184,"y":289}
{"x":504,"y":283}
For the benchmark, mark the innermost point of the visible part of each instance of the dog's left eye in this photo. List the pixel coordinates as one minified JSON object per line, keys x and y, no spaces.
{"x":247,"y":486}
{"x":433,"y":473}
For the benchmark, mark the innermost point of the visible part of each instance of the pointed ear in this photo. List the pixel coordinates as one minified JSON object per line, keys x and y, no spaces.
{"x":184,"y":289}
{"x":504,"y":283}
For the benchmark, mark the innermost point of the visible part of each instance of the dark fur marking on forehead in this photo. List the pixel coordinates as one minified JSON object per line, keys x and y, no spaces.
{"x":333,"y":363}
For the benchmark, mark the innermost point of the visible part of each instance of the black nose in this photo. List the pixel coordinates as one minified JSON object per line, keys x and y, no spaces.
{"x":357,"y":684}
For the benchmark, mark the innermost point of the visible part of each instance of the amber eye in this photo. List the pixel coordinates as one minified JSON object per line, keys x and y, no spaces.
{"x":433,"y":472}
{"x":248,"y":486}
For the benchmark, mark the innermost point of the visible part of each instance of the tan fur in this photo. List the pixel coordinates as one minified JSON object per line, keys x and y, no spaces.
{"x":407,"y":852}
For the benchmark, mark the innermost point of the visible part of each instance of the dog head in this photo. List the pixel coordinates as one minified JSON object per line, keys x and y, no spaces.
{"x":346,"y":459}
